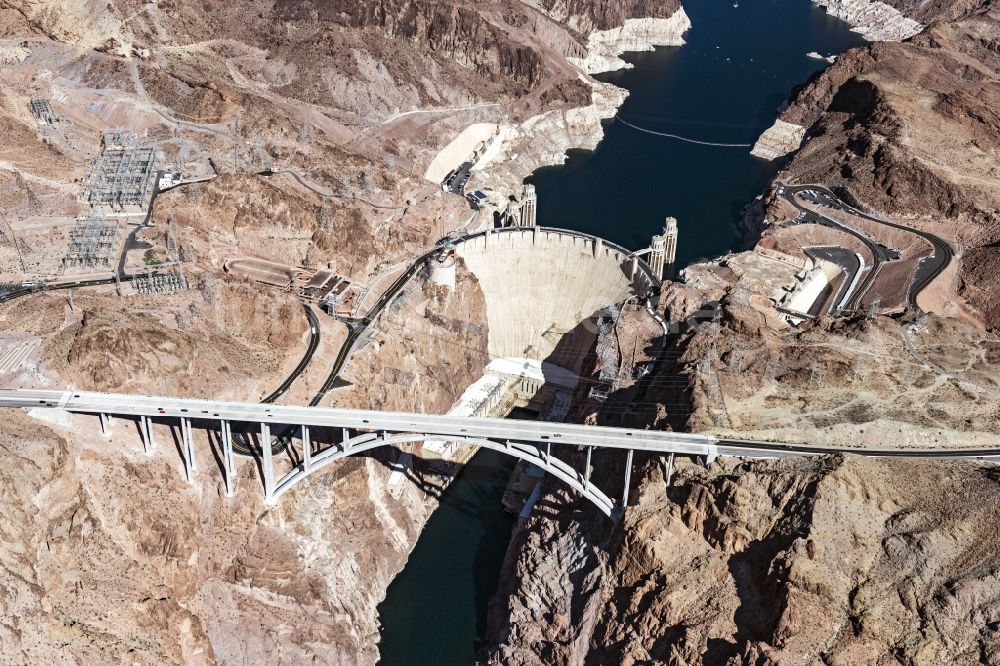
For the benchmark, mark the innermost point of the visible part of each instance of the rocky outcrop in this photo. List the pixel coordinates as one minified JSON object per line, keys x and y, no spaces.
{"x":876,"y":21}
{"x":88,"y":24}
{"x":543,"y":139}
{"x":605,"y":46}
{"x":907,"y":129}
{"x":768,"y":562}
{"x":778,"y":140}
{"x":844,"y":559}
{"x":587,"y":16}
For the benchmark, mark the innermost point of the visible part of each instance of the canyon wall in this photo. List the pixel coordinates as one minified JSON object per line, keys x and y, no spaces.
{"x":909,"y":129}
{"x":876,"y":21}
{"x":766,"y":562}
{"x":843,"y":558}
{"x":315,"y":122}
{"x":124,"y":557}
{"x":605,"y":46}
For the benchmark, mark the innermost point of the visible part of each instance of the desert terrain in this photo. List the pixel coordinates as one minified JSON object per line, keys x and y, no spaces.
{"x":301,"y":134}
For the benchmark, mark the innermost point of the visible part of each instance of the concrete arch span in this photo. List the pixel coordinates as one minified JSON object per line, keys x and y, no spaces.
{"x":536,"y":455}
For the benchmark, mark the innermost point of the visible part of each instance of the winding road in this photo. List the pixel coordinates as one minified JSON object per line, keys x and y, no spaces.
{"x":930,"y":267}
{"x":314,"y":337}
{"x":358,"y":327}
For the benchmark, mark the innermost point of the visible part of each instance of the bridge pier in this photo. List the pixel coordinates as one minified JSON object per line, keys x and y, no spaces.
{"x":227,"y":456}
{"x":105,"y":425}
{"x":267,"y":463}
{"x":306,"y":449}
{"x":187,"y":450}
{"x":586,"y":470}
{"x":628,"y":480}
{"x":670,"y":469}
{"x":190,"y":445}
{"x":146,"y":428}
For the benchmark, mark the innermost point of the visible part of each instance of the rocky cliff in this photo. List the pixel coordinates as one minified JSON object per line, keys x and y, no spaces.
{"x":910,"y":130}
{"x":314,"y":122}
{"x":840,"y":559}
{"x":845,"y":559}
{"x":767,"y":562}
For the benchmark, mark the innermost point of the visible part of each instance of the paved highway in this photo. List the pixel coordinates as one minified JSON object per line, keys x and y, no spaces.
{"x":314,"y":336}
{"x":930,"y":267}
{"x":460,"y":177}
{"x":67,"y":284}
{"x":359,"y":327}
{"x":447,"y":427}
{"x":808,"y":216}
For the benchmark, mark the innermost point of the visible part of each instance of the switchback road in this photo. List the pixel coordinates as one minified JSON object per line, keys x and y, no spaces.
{"x":930,"y":267}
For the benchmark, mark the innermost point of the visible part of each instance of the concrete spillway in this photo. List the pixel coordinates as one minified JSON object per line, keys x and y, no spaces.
{"x":542,"y":285}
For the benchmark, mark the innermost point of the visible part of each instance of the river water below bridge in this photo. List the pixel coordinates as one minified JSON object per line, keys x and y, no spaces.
{"x":435,"y":609}
{"x":724,"y":86}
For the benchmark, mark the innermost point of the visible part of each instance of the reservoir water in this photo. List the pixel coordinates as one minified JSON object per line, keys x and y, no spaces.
{"x":724,"y":85}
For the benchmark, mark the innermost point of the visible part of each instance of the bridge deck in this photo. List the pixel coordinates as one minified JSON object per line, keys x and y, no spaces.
{"x":443,"y":426}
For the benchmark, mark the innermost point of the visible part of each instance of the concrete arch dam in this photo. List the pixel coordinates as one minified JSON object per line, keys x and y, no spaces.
{"x":542,"y":285}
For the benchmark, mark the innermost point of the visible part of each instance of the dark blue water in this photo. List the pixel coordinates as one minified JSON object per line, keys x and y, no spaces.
{"x":724,"y":85}
{"x":434,"y":612}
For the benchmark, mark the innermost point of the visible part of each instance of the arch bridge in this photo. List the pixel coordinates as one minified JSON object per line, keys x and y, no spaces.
{"x":357,"y":431}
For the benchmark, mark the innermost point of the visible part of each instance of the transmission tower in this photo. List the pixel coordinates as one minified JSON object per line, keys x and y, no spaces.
{"x":33,"y":203}
{"x":237,"y":144}
{"x":736,"y":358}
{"x":861,"y":368}
{"x":771,"y":370}
{"x":184,"y":154}
{"x":325,"y":215}
{"x":194,"y":193}
{"x":172,"y":236}
{"x":874,"y":308}
{"x":306,"y":136}
{"x":740,"y":296}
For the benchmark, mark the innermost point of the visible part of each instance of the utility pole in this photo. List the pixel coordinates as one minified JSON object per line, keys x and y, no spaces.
{"x":873,"y":309}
